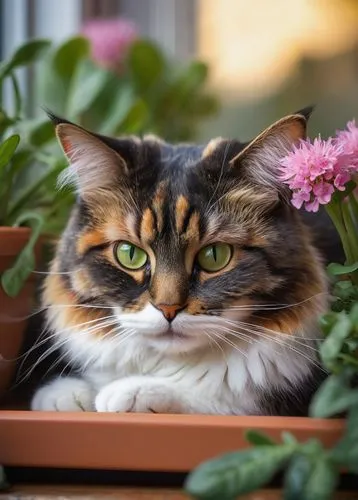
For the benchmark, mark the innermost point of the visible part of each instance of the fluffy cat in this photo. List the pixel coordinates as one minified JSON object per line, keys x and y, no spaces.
{"x":184,"y":281}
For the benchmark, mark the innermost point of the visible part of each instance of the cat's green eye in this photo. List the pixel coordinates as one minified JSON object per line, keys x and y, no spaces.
{"x":214,"y":257}
{"x":130,"y":256}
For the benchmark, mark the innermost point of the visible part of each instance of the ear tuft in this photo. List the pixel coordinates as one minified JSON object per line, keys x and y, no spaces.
{"x":306,"y":112}
{"x":56,"y":120}
{"x":92,"y":164}
{"x":259,"y":161}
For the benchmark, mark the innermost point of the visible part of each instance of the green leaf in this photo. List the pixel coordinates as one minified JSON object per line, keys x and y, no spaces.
{"x":258,"y":438}
{"x":7,"y":150}
{"x":186,"y":86}
{"x":68,"y":56}
{"x":146,"y":63}
{"x":25,"y":54}
{"x":55,"y":168}
{"x":310,"y":478}
{"x":289,"y":438}
{"x":296,"y":477}
{"x":345,"y":452}
{"x":88,"y":82}
{"x":57,"y":72}
{"x":41,"y":132}
{"x":237,"y":473}
{"x":17,"y":95}
{"x":322,"y":481}
{"x":135,"y":119}
{"x":333,"y":397}
{"x":123,"y":101}
{"x":334,"y":341}
{"x":339,"y":269}
{"x":14,"y":278}
{"x":7,"y":178}
{"x":345,"y":290}
{"x":353,"y":316}
{"x":327,"y":321}
{"x":5,"y":121}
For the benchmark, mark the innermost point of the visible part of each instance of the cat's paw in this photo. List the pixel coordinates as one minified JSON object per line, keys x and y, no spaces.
{"x":64,"y":394}
{"x":138,"y":394}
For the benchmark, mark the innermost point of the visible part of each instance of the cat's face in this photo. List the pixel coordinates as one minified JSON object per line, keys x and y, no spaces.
{"x":185,"y":245}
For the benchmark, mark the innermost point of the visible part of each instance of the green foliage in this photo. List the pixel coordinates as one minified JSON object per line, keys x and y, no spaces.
{"x":26,"y":54}
{"x":13,"y":279}
{"x":236,"y":473}
{"x":339,"y":269}
{"x":311,"y":471}
{"x":149,"y":95}
{"x":346,"y":452}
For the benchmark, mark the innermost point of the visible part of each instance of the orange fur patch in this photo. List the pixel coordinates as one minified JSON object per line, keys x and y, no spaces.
{"x":192,"y":232}
{"x":147,"y":226}
{"x":181,"y":210}
{"x":158,"y":202}
{"x":195,"y":306}
{"x":69,"y":313}
{"x":90,"y":239}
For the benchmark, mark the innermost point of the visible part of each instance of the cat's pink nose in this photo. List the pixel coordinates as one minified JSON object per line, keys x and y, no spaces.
{"x":169,"y":311}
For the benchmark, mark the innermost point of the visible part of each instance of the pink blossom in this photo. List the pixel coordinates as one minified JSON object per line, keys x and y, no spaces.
{"x":311,"y":171}
{"x":349,"y":141}
{"x":110,"y":39}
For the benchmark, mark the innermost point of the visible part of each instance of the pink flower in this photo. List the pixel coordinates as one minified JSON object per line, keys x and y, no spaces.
{"x":110,"y":39}
{"x":312,"y":171}
{"x":349,"y":141}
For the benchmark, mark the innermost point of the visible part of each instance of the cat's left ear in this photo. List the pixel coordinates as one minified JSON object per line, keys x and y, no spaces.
{"x":93,"y":164}
{"x":259,"y":161}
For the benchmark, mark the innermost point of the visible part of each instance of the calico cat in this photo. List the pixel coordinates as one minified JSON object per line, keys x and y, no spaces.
{"x":185,"y":282}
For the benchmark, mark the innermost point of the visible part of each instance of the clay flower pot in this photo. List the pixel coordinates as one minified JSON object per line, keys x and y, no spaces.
{"x":142,"y":442}
{"x":13,"y":311}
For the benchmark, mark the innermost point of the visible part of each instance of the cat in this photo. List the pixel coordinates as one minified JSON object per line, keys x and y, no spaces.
{"x":185,"y":282}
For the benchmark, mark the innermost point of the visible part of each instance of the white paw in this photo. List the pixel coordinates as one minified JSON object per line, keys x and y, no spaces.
{"x":64,"y":394}
{"x":138,"y":394}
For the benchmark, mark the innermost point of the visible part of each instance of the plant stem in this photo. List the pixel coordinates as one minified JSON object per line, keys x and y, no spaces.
{"x":17,"y":96}
{"x":354,"y":205}
{"x":350,"y":230}
{"x":333,"y":210}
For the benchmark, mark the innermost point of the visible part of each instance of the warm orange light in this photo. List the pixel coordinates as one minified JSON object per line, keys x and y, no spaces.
{"x":254,"y":45}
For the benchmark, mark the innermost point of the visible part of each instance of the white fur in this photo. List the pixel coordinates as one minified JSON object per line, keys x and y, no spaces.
{"x":144,"y":369}
{"x":64,"y":394}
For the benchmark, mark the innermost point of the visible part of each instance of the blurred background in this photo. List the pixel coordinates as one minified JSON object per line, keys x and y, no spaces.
{"x":265,"y":58}
{"x":186,"y":70}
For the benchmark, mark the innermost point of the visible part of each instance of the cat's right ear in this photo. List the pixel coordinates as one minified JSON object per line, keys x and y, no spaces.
{"x":93,"y":165}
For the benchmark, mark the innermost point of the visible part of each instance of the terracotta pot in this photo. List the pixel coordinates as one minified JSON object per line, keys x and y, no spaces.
{"x":132,"y":441}
{"x":13,"y":311}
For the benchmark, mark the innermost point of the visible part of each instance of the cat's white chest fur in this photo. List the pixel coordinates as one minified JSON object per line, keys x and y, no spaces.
{"x":133,"y":376}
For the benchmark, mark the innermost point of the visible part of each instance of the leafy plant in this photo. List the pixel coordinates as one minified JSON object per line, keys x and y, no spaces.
{"x":25,"y":168}
{"x":151,"y":94}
